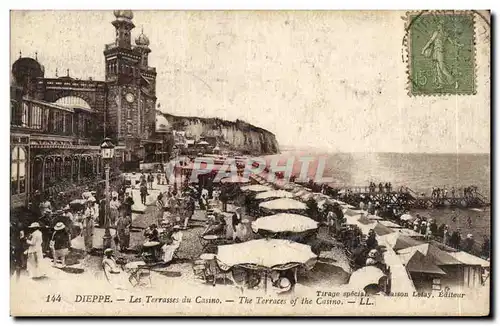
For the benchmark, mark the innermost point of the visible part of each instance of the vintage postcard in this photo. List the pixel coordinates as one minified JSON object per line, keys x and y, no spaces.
{"x":250,"y":163}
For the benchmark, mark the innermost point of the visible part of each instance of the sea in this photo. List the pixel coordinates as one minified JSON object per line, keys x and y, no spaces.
{"x":418,"y":171}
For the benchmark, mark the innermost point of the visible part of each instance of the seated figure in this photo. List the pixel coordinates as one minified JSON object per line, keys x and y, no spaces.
{"x":113,"y":274}
{"x":169,"y":249}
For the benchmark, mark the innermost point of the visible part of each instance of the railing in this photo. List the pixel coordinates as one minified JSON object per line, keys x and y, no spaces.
{"x":76,"y":83}
{"x":109,"y":46}
{"x":47,"y":118}
{"x":151,"y":70}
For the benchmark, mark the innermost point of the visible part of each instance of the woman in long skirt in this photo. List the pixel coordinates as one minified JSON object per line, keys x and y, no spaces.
{"x":123,"y":231}
{"x":35,"y":253}
{"x":88,"y":227}
{"x":113,"y":274}
{"x":114,"y":207}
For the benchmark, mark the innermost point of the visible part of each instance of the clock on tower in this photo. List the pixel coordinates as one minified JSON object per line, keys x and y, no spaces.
{"x":129,"y":97}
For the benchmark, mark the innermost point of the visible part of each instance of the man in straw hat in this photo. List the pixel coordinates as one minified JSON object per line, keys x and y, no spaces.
{"x":469,"y":243}
{"x":60,"y":243}
{"x":35,"y":254}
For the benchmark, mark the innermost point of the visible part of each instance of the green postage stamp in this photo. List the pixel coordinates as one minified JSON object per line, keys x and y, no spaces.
{"x":441,"y":49}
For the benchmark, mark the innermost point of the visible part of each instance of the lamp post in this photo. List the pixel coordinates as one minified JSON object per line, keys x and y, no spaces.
{"x":107,"y":154}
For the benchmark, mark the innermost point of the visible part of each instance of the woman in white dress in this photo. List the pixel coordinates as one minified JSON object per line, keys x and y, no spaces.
{"x":170,"y":249}
{"x":35,"y":252}
{"x":88,"y":225}
{"x":115,"y":276}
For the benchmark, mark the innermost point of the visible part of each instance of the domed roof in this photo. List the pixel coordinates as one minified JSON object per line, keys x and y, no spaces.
{"x":142,"y":40}
{"x":162,"y":124}
{"x":127,"y":14}
{"x":26,"y":67}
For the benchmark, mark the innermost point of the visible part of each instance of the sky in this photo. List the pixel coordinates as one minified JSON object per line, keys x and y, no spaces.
{"x":329,"y":80}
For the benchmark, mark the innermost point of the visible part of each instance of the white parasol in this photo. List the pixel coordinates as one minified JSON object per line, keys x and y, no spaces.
{"x":306,"y":197}
{"x":319,"y":197}
{"x":235,"y":179}
{"x":283,"y":204}
{"x":374,"y":217}
{"x":274,"y":194}
{"x":267,"y":253}
{"x":365,"y":276}
{"x":406,"y":217}
{"x":257,"y":188}
{"x":289,"y":186}
{"x":301,"y":193}
{"x":284,"y":222}
{"x":352,"y":212}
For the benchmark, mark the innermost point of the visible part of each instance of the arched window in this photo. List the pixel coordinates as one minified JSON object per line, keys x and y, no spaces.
{"x":74,"y":102}
{"x":18,"y":170}
{"x":76,"y":167}
{"x":67,"y":167}
{"x":36,"y":173}
{"x":50,"y":172}
{"x":58,"y":168}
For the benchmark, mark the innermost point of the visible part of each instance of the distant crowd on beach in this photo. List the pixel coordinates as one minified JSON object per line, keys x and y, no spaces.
{"x":468,"y":192}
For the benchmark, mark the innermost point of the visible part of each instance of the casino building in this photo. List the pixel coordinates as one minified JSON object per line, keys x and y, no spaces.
{"x":57,"y":124}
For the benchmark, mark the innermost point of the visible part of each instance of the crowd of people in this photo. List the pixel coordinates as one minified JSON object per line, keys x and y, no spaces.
{"x":443,"y":193}
{"x":52,"y":224}
{"x":386,"y":187}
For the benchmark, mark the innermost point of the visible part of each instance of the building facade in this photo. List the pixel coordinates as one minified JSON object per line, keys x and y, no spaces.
{"x":57,"y":124}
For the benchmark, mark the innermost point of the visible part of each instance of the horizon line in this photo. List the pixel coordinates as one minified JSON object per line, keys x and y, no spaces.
{"x":299,"y":148}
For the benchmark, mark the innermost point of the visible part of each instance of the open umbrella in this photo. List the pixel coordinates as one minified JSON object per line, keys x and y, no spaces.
{"x":265,"y":253}
{"x":283,"y":204}
{"x":374,"y":217}
{"x":284,"y":222}
{"x":77,"y":204}
{"x":274,"y":194}
{"x":235,"y":179}
{"x":306,"y":196}
{"x":352,"y":212}
{"x":297,"y":191}
{"x":406,"y":217}
{"x":256,"y":188}
{"x":410,"y":233}
{"x":399,"y":241}
{"x":381,"y":229}
{"x":365,"y":220}
{"x":390,"y":224}
{"x":289,"y":186}
{"x":365,"y":276}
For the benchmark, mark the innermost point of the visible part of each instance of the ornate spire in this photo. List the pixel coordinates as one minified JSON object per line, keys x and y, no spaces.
{"x":20,"y":54}
{"x":36,"y":55}
{"x":67,"y":72}
{"x":57,"y":75}
{"x":142,"y":40}
{"x":124,"y":14}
